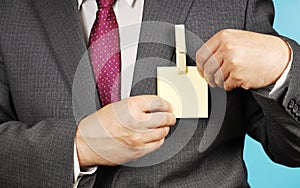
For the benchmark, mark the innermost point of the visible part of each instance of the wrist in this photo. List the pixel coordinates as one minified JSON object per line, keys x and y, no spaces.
{"x":84,"y":152}
{"x":286,"y":55}
{"x":88,"y":142}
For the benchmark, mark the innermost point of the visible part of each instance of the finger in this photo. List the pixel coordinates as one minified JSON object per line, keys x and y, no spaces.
{"x":231,"y":83}
{"x":150,"y":147}
{"x":156,"y":104}
{"x":211,"y":67}
{"x":205,"y":52}
{"x":139,"y":139}
{"x":160,"y":119}
{"x":200,"y":70}
{"x":222,"y":75}
{"x":155,"y":135}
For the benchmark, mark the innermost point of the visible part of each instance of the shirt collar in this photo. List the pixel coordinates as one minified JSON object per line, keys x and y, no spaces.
{"x":130,"y":2}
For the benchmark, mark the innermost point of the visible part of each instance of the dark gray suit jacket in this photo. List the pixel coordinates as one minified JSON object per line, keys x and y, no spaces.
{"x":41,"y":44}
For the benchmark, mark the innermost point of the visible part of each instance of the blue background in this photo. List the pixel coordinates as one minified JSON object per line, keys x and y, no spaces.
{"x":263,"y":173}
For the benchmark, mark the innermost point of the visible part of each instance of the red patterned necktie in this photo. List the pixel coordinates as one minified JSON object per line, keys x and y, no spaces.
{"x":105,"y":53}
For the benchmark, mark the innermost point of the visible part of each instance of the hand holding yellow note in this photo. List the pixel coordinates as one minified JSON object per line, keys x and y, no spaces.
{"x":182,"y":86}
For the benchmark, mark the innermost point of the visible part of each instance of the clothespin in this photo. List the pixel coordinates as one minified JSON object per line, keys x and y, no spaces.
{"x":180,"y":49}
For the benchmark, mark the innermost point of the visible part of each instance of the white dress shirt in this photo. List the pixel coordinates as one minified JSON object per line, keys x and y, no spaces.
{"x":129,"y":14}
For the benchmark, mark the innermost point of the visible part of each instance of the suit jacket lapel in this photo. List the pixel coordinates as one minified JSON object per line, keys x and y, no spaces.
{"x":63,"y":28}
{"x":156,"y":48}
{"x":157,"y":41}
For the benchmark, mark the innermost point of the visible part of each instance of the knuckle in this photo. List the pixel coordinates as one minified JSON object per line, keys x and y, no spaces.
{"x":218,"y":81}
{"x":170,"y":119}
{"x":159,"y":103}
{"x":200,"y":57}
{"x":209,"y":68}
{"x":228,"y":86}
{"x":132,"y":102}
{"x":199,"y":68}
{"x":169,"y":107}
{"x":245,"y":86}
{"x":239,"y":80}
{"x":225,"y":33}
{"x":166,"y":131}
{"x":155,"y":146}
{"x":159,"y":134}
{"x":234,"y":78}
{"x":163,"y":133}
{"x":138,"y":153}
{"x":164,"y":119}
{"x":161,"y":143}
{"x":158,"y":145}
{"x":134,"y":140}
{"x":228,"y":49}
{"x":173,"y":119}
{"x":219,"y":76}
{"x":234,"y":63}
{"x":209,"y":77}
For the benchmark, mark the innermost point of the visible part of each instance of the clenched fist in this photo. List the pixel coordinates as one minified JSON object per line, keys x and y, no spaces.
{"x":124,"y":131}
{"x":235,"y":58}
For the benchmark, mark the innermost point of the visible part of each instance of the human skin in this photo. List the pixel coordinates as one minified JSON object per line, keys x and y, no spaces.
{"x":123,"y":131}
{"x":236,"y":58}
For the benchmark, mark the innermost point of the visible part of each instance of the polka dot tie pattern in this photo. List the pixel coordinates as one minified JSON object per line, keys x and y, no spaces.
{"x":105,"y":52}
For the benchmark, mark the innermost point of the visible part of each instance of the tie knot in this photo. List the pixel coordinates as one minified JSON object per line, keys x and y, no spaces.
{"x":105,"y":3}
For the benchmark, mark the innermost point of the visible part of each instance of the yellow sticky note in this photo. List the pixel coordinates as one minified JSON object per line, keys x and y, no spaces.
{"x":188,"y":93}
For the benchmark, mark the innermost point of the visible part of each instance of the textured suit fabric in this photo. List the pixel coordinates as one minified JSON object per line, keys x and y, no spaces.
{"x":41,"y":45}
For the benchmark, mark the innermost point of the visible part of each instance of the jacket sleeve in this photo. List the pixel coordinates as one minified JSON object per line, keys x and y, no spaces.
{"x":275,"y":122}
{"x":33,"y":155}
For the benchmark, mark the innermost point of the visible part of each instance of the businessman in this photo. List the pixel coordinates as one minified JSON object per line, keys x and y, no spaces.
{"x":46,"y":143}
